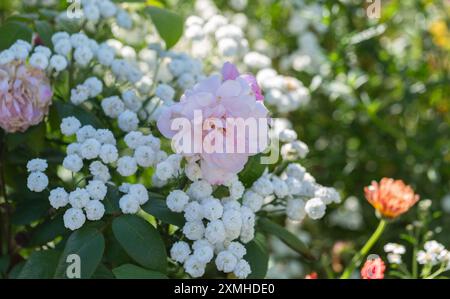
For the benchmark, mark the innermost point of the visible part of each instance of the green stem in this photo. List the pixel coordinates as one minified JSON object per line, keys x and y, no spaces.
{"x":442,"y":269}
{"x":356,"y":260}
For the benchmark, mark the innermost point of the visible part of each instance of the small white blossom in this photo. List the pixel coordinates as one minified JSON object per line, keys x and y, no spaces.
{"x":83,"y":55}
{"x":237,"y":249}
{"x":94,"y":210}
{"x":105,"y":136}
{"x":242,"y":269}
{"x":215,"y":232}
{"x":177,"y":200}
{"x":79,"y":198}
{"x":204,"y":253}
{"x":193,"y":230}
{"x":128,"y":121}
{"x":295,"y":209}
{"x":226,"y":261}
{"x":70,"y":125}
{"x":97,"y":189}
{"x":199,"y":190}
{"x":139,"y":192}
{"x":165,"y":92}
{"x":315,"y":208}
{"x":108,"y":153}
{"x":193,"y":211}
{"x":73,"y":163}
{"x":90,"y":149}
{"x":212,"y":208}
{"x":263,"y":186}
{"x":39,"y":60}
{"x":145,"y":156}
{"x":37,"y":165}
{"x":253,"y":200}
{"x":99,"y":171}
{"x":129,"y":204}
{"x":74,"y":218}
{"x":85,"y":133}
{"x":133,"y":139}
{"x":180,"y":251}
{"x":126,"y":166}
{"x":94,"y":85}
{"x":58,"y":198}
{"x":58,"y":63}
{"x":194,"y":267}
{"x":113,"y":106}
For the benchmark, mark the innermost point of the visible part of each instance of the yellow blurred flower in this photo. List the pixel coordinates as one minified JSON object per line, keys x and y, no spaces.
{"x":440,"y":33}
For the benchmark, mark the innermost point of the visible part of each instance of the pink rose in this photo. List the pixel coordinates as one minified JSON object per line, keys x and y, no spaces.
{"x":221,"y":98}
{"x":25,"y":95}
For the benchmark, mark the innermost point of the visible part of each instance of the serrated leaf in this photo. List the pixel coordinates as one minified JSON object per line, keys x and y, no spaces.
{"x":129,"y":271}
{"x":141,"y":241}
{"x":286,"y":236}
{"x":88,"y":244}
{"x":168,"y":24}
{"x":40,"y":264}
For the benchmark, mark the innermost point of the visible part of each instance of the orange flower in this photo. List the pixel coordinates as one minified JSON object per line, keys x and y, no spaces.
{"x":312,"y":275}
{"x":390,"y":197}
{"x":373,"y":269}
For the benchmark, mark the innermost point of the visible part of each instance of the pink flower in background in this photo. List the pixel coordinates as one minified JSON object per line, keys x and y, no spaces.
{"x":373,"y":269}
{"x":217,"y":97}
{"x":25,"y":95}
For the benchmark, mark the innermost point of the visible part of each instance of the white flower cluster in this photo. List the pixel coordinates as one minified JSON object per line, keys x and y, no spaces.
{"x":167,"y":167}
{"x":91,"y":88}
{"x":124,"y":112}
{"x":41,"y":58}
{"x":394,"y":252}
{"x":95,"y":11}
{"x":135,"y":196}
{"x":211,"y":31}
{"x":292,"y":149}
{"x":348,"y":215}
{"x":84,"y":50}
{"x":37,"y":180}
{"x":215,"y":226}
{"x":184,"y":69}
{"x":295,"y":190}
{"x":434,"y":253}
{"x":282,"y":92}
{"x":309,"y":56}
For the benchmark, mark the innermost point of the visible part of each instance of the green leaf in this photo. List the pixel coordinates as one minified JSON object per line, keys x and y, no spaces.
{"x":48,"y":231}
{"x":10,"y":32}
{"x":84,"y":116}
{"x":258,"y":257}
{"x":4,"y":264}
{"x":168,"y":24}
{"x":252,"y":171}
{"x":141,"y":241}
{"x":45,"y":32}
{"x":29,"y":211}
{"x":88,"y":244}
{"x":286,"y":236}
{"x":15,"y":271}
{"x":129,"y":271}
{"x":111,"y":200}
{"x":102,"y":272}
{"x":159,"y":209}
{"x":41,"y":264}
